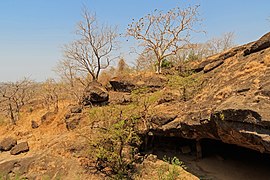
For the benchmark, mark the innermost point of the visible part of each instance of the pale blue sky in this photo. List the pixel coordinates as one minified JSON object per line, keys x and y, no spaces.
{"x":33,"y":31}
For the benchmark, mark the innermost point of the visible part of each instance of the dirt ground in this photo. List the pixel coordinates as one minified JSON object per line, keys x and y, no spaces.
{"x":220,"y":166}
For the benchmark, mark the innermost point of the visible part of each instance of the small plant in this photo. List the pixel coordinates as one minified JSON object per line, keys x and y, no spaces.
{"x":116,"y":146}
{"x":187,"y":86}
{"x":170,"y":172}
{"x":221,"y":116}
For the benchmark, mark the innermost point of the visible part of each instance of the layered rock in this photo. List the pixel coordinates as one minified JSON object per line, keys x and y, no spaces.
{"x":233,"y":103}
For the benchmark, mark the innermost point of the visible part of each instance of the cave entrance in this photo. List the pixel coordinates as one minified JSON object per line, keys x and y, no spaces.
{"x":219,"y":160}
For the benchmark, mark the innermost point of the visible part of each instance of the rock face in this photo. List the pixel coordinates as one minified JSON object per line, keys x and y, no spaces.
{"x":262,"y":43}
{"x":14,"y":168}
{"x":95,"y":94}
{"x":129,"y":83}
{"x":20,"y":148}
{"x":7,"y":143}
{"x":233,"y":103}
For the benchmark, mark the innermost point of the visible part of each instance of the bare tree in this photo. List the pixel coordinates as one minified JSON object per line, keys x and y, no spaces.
{"x":145,"y":61}
{"x":67,"y":71}
{"x":220,"y":44}
{"x":75,"y":81}
{"x":14,"y":95}
{"x":164,"y":33}
{"x":91,"y":52}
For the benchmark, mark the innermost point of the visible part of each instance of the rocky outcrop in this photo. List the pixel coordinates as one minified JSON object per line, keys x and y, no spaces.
{"x":122,"y":85}
{"x":130,"y":83}
{"x":95,"y":94}
{"x":233,"y":103}
{"x":262,"y":43}
{"x":7,"y":143}
{"x":20,"y":148}
{"x":14,"y":168}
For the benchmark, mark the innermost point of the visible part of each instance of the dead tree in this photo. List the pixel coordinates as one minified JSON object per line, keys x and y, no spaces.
{"x":91,"y":52}
{"x":164,"y":34}
{"x":14,"y":95}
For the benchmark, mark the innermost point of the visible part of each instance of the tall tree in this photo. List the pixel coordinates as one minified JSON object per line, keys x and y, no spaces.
{"x":91,"y":52}
{"x":164,"y":33}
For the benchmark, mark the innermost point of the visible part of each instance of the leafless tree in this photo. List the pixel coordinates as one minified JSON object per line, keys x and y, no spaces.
{"x":50,"y":94}
{"x":14,"y":95}
{"x":74,"y":81}
{"x":220,"y":44}
{"x":91,"y":52}
{"x":165,"y":33}
{"x":145,"y":61}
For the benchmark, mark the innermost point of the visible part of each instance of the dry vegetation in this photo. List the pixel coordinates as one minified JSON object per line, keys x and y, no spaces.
{"x":106,"y":143}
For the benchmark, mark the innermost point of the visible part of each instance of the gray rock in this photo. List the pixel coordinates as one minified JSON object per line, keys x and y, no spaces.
{"x":20,"y":148}
{"x":7,"y":143}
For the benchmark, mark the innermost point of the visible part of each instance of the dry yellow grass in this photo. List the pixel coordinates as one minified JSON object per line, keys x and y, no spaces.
{"x":223,"y":93}
{"x":266,"y":60}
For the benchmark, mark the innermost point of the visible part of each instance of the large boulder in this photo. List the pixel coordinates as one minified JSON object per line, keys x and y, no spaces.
{"x":122,"y":85}
{"x":95,"y":94}
{"x":7,"y":143}
{"x":152,"y":82}
{"x":19,"y":148}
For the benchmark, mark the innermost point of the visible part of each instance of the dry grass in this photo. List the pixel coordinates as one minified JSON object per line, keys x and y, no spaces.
{"x":266,"y":60}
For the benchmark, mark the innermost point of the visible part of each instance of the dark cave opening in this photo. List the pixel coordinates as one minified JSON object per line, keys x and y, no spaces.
{"x":219,"y":160}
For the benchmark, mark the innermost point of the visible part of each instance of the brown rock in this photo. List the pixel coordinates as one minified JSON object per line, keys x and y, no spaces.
{"x":76,"y":109}
{"x":20,"y":148}
{"x":122,"y":85}
{"x":162,"y":119}
{"x":262,"y":43}
{"x":95,"y":94}
{"x":232,"y":104}
{"x":7,"y":143}
{"x":34,"y":124}
{"x":72,"y":122}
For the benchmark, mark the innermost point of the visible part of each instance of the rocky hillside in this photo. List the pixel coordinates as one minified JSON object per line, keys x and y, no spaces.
{"x":232,"y":104}
{"x":225,"y":97}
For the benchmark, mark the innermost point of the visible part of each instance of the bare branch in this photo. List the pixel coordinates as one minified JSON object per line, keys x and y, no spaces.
{"x":164,"y":34}
{"x":92,"y":51}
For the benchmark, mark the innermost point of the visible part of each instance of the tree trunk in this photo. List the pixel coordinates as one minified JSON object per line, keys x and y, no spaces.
{"x":158,"y":71}
{"x":12,"y":117}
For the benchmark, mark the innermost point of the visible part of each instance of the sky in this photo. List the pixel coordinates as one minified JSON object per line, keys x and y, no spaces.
{"x":33,"y":32}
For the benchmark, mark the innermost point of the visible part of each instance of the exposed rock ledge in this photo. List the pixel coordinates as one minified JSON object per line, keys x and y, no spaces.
{"x":233,"y":104}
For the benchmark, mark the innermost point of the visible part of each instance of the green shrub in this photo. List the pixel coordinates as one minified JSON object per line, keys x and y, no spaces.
{"x":170,"y":171}
{"x":116,"y":148}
